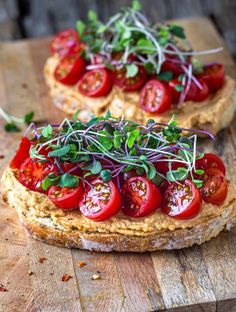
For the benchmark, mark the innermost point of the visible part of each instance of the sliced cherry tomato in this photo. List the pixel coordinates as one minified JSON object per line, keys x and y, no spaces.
{"x":70,"y":69}
{"x":32,"y":172}
{"x":63,"y":41}
{"x":164,"y":185}
{"x":101,"y":201}
{"x":182,"y":200}
{"x":215,"y":188}
{"x":77,"y":48}
{"x":155,"y":97}
{"x":21,"y":154}
{"x":213,"y":75}
{"x":210,"y":161}
{"x":163,"y":167}
{"x":95,"y":83}
{"x":172,"y":66}
{"x":140,"y":197}
{"x":129,"y":84}
{"x":72,"y":168}
{"x":174,"y":84}
{"x":202,"y":93}
{"x":66,"y":197}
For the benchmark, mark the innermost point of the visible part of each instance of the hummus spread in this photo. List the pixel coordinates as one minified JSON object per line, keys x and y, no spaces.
{"x":213,"y":114}
{"x":36,"y":207}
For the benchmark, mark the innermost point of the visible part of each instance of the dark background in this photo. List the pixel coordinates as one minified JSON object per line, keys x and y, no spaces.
{"x":34,"y":18}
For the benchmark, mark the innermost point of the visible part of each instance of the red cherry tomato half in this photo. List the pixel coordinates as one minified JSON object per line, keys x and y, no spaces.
{"x":213,"y":75}
{"x":191,"y":95}
{"x":181,"y":200}
{"x":140,"y":197}
{"x":129,"y":84}
{"x":66,"y":197}
{"x":172,"y":66}
{"x":95,"y":83}
{"x":63,"y":41}
{"x":32,"y":172}
{"x":77,"y":48}
{"x":70,"y":69}
{"x":215,"y":188}
{"x":163,"y":167}
{"x":210,"y":161}
{"x":155,"y":97}
{"x":202,"y":93}
{"x":21,"y":154}
{"x":101,"y":201}
{"x":72,"y":168}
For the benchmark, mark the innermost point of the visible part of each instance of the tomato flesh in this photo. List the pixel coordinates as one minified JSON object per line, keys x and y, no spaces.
{"x":155,"y":97}
{"x":72,"y":168}
{"x":215,"y":188}
{"x":202,"y":93}
{"x":66,"y":198}
{"x":129,"y":84}
{"x":210,"y":161}
{"x":21,"y":154}
{"x":213,"y":75}
{"x":95,"y":83}
{"x":181,"y":200}
{"x":101,"y":201}
{"x":70,"y":69}
{"x":63,"y":42}
{"x":140,"y":197}
{"x":190,"y":96}
{"x":32,"y":173}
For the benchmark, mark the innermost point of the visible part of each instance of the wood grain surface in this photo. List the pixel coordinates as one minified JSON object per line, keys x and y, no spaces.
{"x":201,"y":278}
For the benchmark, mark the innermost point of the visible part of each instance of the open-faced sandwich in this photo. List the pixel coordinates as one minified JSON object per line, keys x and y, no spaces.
{"x":140,"y":70}
{"x":112,"y":184}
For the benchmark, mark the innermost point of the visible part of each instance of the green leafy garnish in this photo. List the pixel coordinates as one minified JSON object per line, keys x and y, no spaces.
{"x":67,"y":180}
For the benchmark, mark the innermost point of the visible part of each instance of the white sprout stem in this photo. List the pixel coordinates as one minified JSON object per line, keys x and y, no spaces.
{"x":9,"y":118}
{"x":192,"y":53}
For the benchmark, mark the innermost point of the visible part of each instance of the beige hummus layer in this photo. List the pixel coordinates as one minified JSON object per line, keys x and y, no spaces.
{"x":40,"y":208}
{"x":213,"y":114}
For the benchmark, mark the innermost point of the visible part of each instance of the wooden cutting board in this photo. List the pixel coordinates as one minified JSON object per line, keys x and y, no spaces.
{"x":202,"y":278}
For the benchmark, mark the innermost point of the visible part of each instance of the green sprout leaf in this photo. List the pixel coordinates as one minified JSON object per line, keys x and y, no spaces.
{"x":75,"y":115}
{"x":61,"y":151}
{"x":198,"y":183}
{"x":47,"y":131}
{"x":80,"y":26}
{"x":178,"y":31}
{"x":28,"y":118}
{"x":177,"y":175}
{"x":92,"y":16}
{"x":117,"y":139}
{"x":165,"y":76}
{"x":105,"y":175}
{"x":136,"y":5}
{"x":132,"y":137}
{"x":179,"y":88}
{"x":11,"y":127}
{"x":131,"y":70}
{"x":68,"y":180}
{"x":49,"y":181}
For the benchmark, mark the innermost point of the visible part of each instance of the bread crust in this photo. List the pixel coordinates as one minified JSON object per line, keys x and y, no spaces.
{"x":105,"y":242}
{"x":213,"y":114}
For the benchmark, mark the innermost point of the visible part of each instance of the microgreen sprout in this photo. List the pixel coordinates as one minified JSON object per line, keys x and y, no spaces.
{"x":12,"y":122}
{"x":107,"y":146}
{"x":136,"y":41}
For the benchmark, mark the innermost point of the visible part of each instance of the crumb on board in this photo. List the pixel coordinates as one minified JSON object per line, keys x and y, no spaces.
{"x":80,"y":264}
{"x":42,"y":259}
{"x":2,"y":288}
{"x":96,"y":276}
{"x":66,"y":277}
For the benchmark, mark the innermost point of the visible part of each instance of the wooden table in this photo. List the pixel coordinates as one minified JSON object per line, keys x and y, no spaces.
{"x":202,"y":278}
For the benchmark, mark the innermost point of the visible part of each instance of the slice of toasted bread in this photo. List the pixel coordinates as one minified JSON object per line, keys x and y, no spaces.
{"x":46,"y":222}
{"x":213,"y":114}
